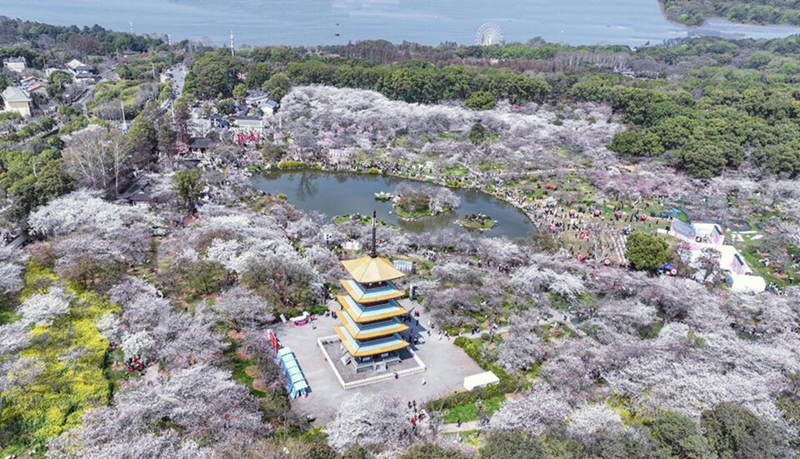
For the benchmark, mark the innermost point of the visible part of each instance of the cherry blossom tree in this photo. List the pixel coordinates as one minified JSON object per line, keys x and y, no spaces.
{"x":200,"y":402}
{"x":13,"y":337}
{"x":86,"y":211}
{"x":587,"y":420}
{"x":531,"y":280}
{"x":149,"y":327}
{"x":322,"y":117}
{"x":19,"y":372}
{"x":521,"y":348}
{"x":532,"y":412}
{"x":627,"y":316}
{"x":574,"y":368}
{"x":42,"y":308}
{"x":375,"y":421}
{"x":11,"y":267}
{"x":243,"y":308}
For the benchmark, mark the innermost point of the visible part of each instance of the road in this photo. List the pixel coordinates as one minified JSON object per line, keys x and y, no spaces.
{"x":178,"y":80}
{"x":82,"y":101}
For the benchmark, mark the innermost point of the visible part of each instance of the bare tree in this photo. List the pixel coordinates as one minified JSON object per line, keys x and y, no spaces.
{"x":97,"y":158}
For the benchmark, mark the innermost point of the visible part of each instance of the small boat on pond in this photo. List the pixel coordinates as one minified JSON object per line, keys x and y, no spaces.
{"x":383,"y":196}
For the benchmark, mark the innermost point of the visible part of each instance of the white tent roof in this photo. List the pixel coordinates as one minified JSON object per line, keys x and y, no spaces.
{"x":745,"y":283}
{"x":705,"y":229}
{"x":726,"y":252}
{"x":480,"y":380}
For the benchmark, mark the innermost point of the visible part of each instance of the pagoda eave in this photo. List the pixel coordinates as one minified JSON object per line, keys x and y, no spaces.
{"x":371,"y":331}
{"x":370,"y":348}
{"x":374,"y":295}
{"x":361,"y":314}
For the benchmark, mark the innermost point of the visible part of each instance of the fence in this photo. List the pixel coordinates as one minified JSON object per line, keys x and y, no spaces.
{"x":375,"y":379}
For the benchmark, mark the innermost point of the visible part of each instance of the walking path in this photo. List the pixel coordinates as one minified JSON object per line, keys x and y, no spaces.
{"x":620,"y":246}
{"x":17,"y":241}
{"x":465,"y":427}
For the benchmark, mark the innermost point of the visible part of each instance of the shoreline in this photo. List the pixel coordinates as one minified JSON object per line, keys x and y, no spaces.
{"x":218,"y":39}
{"x":469,"y":228}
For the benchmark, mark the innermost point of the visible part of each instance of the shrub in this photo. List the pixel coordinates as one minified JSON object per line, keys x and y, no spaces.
{"x":480,"y":100}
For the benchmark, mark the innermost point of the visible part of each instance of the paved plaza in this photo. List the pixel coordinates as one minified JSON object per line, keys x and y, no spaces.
{"x":447,"y":366}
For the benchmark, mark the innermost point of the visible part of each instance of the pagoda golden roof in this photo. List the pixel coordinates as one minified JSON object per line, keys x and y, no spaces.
{"x":368,"y":270}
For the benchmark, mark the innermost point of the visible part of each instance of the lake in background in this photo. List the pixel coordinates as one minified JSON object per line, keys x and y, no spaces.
{"x":311,"y":22}
{"x":340,"y":193}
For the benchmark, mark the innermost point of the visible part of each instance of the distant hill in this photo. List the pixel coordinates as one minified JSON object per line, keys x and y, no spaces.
{"x":695,"y":12}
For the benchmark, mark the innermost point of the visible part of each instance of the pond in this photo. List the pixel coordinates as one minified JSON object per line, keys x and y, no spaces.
{"x":340,"y":193}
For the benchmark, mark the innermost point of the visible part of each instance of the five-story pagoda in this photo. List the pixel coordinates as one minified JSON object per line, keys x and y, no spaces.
{"x":370,"y":330}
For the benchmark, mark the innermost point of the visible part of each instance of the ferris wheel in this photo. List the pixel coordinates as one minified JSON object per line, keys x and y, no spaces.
{"x":489,"y":33}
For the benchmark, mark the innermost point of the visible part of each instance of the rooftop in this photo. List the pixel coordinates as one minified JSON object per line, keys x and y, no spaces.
{"x":256,"y":98}
{"x":139,"y":191}
{"x":200,"y":142}
{"x":15,"y":94}
{"x":368,"y":270}
{"x":269,"y":103}
{"x":76,"y":65}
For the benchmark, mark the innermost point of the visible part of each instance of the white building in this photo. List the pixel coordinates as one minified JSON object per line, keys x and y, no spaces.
{"x":77,"y":67}
{"x":248,"y":123}
{"x":17,"y":100}
{"x":16,"y":64}
{"x":700,"y":237}
{"x":710,"y":232}
{"x":336,"y":156}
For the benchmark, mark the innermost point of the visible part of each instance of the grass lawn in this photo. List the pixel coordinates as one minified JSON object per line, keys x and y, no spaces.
{"x":456,"y":172}
{"x":748,"y":251}
{"x":412,"y":215}
{"x":478,"y":223}
{"x":238,"y":367}
{"x":469,"y":412}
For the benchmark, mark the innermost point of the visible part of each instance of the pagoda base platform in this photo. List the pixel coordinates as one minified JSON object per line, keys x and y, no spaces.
{"x":403,"y":362}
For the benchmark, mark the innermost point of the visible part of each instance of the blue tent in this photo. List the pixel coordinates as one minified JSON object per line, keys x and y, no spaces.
{"x":287,"y":367}
{"x":297,"y":389}
{"x":296,"y":384}
{"x":283,"y":352}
